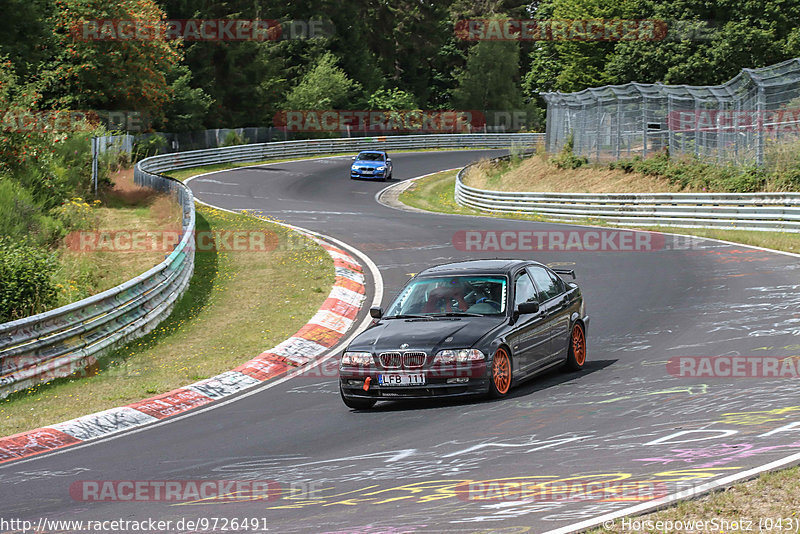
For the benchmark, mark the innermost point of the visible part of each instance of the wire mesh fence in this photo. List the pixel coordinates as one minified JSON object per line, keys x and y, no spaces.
{"x":197,"y":140}
{"x":743,"y":121}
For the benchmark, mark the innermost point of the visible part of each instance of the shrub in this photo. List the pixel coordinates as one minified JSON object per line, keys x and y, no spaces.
{"x":786,"y":181}
{"x":21,"y":217}
{"x":625,"y":165}
{"x":566,"y":158}
{"x":233,"y":138}
{"x":690,"y":172}
{"x":744,"y":180}
{"x":77,"y":214}
{"x":27,"y":275}
{"x":149,"y":146}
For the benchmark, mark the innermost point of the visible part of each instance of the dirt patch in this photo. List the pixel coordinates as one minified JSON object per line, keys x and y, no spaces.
{"x":124,"y":190}
{"x":164,"y":211}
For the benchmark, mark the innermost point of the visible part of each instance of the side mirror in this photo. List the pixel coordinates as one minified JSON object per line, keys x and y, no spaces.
{"x":388,"y":160}
{"x":353,"y":158}
{"x":528,"y":307}
{"x":376,"y":313}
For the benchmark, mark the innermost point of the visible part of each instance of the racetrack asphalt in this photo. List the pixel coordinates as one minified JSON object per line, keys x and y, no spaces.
{"x":561,"y":448}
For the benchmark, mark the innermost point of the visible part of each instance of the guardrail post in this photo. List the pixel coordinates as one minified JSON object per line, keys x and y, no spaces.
{"x":760,"y":107}
{"x":95,"y":150}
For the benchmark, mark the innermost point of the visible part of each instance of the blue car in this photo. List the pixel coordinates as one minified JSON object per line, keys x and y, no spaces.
{"x":371,"y":164}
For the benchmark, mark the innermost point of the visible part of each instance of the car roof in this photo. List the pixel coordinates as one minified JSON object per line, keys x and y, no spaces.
{"x":498,"y":266}
{"x":372,"y":152}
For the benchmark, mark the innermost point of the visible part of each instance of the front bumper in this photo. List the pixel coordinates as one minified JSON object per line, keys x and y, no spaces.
{"x":367,"y":175}
{"x":352,"y":380}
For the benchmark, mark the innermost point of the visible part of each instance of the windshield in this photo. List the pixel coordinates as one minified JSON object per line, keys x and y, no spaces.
{"x":370,"y":156}
{"x":482,"y":295}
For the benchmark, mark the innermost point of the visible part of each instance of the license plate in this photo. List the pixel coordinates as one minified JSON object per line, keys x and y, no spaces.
{"x":402,"y":379}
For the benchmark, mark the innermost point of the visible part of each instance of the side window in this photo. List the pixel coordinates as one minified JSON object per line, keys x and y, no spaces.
{"x":558,"y":283}
{"x":523,"y":289}
{"x":548,"y":287}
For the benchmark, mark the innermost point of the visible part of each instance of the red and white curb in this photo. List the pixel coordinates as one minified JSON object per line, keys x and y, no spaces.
{"x":328,"y":326}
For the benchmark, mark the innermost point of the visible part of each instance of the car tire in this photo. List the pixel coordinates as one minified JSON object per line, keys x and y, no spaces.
{"x":357,"y":404}
{"x":576,"y":354}
{"x":500,"y":374}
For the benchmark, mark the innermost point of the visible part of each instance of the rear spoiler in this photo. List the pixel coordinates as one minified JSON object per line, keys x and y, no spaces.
{"x":565,"y":272}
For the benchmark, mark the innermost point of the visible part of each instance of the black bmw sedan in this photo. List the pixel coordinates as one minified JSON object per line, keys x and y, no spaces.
{"x":467,"y":328}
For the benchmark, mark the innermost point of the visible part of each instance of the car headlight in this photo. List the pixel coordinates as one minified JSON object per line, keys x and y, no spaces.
{"x":357,"y":358}
{"x":458,"y":356}
{"x":381,"y":169}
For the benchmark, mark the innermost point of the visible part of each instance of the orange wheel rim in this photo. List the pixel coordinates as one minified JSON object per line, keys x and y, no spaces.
{"x":578,"y":345}
{"x":501,"y":371}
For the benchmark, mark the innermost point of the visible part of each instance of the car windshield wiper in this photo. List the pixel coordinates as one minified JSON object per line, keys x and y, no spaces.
{"x":405,"y":316}
{"x":456,"y":314}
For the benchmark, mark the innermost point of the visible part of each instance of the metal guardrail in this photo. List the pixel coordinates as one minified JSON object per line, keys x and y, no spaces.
{"x":60,"y":342}
{"x":743,"y":211}
{"x":289,"y":149}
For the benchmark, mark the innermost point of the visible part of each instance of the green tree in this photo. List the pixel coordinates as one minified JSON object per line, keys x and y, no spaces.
{"x":25,"y":34}
{"x":708,"y":42}
{"x":491,"y":77}
{"x":186,"y":110}
{"x":391,"y":99}
{"x":572,"y":65}
{"x":325,"y":86}
{"x":116,"y":74}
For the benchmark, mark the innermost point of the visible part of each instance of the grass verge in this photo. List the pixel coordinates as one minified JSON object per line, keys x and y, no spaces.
{"x":537,"y":173}
{"x":436,"y":193}
{"x":237,"y":305}
{"x":772,"y":496}
{"x":567,"y":173}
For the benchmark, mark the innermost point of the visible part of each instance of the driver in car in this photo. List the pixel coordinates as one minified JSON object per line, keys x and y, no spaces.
{"x":493,"y":295}
{"x":447,"y":298}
